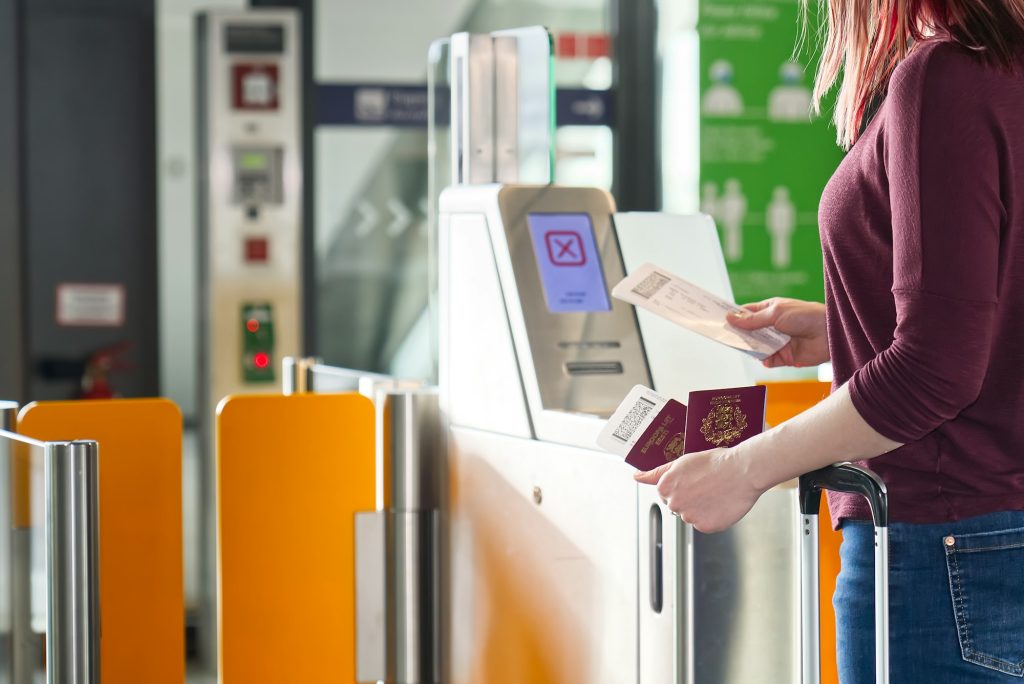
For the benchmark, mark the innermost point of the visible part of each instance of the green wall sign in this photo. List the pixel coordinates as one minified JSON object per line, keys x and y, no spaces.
{"x":764,"y":162}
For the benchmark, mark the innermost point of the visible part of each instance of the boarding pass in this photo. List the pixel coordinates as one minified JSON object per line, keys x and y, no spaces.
{"x":696,"y":309}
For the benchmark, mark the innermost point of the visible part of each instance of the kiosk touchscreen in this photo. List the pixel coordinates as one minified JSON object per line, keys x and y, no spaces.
{"x":550,"y":255}
{"x":569,"y":268}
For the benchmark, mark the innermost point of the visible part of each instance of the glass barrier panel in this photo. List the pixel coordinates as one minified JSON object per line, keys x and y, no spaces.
{"x":23,"y":586}
{"x":534,"y":80}
{"x":439,"y":175}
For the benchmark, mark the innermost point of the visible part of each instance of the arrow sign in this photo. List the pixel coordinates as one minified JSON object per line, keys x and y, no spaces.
{"x":402,"y":218}
{"x":368,"y":218}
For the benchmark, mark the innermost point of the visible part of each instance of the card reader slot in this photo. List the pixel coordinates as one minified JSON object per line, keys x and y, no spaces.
{"x":591,"y":344}
{"x":593,"y":367}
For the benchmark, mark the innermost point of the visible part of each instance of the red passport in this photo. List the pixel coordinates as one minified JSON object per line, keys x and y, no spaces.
{"x":724,"y":417}
{"x":662,"y":441}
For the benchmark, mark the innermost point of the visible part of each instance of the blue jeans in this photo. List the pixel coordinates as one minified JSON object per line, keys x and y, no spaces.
{"x":956,"y":601}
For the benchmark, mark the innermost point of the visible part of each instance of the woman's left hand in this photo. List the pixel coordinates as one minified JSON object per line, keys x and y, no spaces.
{"x":711,"y":490}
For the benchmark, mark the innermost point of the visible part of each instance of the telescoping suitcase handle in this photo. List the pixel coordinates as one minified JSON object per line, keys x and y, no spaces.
{"x":848,"y":478}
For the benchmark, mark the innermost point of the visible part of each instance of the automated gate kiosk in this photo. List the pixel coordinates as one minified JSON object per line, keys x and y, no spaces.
{"x":561,"y":568}
{"x":249,"y":185}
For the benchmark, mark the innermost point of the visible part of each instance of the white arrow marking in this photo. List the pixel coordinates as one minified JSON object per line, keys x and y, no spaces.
{"x":402,"y":218}
{"x":368,"y":217}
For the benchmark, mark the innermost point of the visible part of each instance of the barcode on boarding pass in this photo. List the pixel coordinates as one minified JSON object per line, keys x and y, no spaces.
{"x":649,"y":286}
{"x":633,"y":419}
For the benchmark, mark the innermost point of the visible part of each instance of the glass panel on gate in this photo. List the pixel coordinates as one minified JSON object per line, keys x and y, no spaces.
{"x":535,"y":104}
{"x":23,"y":585}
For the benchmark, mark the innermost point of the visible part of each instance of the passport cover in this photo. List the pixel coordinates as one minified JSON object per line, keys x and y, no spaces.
{"x":724,"y":417}
{"x":663,"y":439}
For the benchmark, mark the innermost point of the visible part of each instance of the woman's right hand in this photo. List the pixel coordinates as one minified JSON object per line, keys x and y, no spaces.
{"x":804,"y":322}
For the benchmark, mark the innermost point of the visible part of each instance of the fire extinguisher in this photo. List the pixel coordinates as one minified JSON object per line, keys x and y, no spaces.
{"x":95,"y":382}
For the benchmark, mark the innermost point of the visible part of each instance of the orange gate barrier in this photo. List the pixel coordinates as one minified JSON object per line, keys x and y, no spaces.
{"x":142,"y":602}
{"x":292,"y":471}
{"x":785,"y":400}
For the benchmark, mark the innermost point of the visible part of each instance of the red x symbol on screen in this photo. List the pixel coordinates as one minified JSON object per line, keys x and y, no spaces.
{"x":565,"y":248}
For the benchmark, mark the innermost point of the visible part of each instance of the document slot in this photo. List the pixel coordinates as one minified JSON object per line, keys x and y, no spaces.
{"x":593,"y":367}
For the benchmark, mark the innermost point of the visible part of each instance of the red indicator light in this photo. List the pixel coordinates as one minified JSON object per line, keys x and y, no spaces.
{"x":261,"y":360}
{"x":252,"y":325}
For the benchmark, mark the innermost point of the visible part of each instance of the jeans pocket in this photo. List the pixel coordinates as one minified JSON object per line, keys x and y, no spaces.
{"x":986,"y":581}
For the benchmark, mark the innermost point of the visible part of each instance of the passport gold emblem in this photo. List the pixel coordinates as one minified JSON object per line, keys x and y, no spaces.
{"x":674,"y":449}
{"x":726,"y":422}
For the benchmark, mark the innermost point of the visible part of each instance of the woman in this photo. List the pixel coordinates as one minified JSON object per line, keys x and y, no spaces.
{"x":923,"y":238}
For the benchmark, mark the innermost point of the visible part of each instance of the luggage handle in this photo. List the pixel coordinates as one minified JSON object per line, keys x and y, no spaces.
{"x":846,"y":478}
{"x":853,"y":479}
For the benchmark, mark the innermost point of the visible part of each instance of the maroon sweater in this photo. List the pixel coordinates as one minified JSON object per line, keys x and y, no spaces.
{"x":922,"y":229}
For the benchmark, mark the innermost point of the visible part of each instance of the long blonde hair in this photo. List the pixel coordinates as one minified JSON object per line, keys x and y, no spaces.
{"x":867,"y":39}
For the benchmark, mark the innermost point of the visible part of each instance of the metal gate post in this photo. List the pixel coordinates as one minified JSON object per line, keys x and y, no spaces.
{"x":72,"y":562}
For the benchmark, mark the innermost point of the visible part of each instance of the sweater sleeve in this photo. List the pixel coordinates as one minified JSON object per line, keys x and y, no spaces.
{"x":942,"y":163}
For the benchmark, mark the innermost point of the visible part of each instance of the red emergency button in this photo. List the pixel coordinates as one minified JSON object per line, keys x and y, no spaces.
{"x":254,"y":87}
{"x":261,"y":360}
{"x":257,"y":250}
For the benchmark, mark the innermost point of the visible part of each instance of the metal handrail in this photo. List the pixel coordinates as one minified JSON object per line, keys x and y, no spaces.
{"x":71,"y":527}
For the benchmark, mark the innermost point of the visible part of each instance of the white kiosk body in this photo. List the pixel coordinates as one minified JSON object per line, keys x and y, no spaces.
{"x":561,"y":568}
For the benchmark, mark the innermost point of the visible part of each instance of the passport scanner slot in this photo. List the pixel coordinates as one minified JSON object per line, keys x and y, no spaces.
{"x":594,"y":368}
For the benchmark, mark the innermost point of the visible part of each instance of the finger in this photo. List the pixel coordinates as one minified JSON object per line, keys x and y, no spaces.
{"x":652,"y":476}
{"x":754,"y":307}
{"x":784,"y":357}
{"x":754,"y":320}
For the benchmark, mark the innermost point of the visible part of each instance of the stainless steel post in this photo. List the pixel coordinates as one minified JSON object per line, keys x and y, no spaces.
{"x":72,"y":563}
{"x":413,"y":458}
{"x":398,"y":572}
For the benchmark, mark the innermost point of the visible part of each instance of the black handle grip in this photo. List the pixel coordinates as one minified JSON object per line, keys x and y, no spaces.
{"x":849,"y":478}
